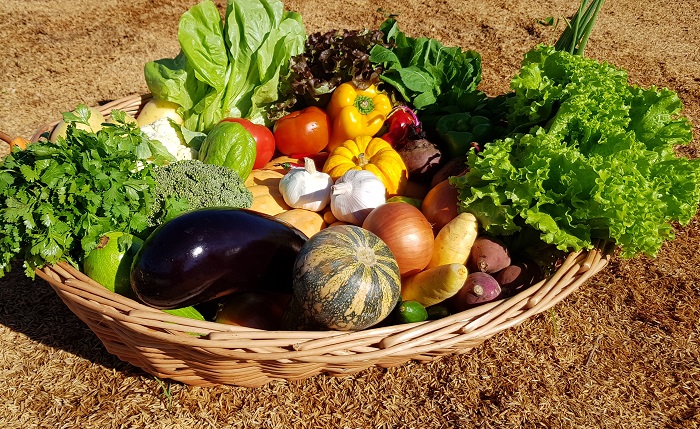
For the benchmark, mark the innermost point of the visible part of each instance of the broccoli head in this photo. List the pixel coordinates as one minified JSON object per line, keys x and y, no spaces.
{"x":191,"y":184}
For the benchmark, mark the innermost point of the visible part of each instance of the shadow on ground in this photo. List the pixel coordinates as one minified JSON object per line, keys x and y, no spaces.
{"x":32,"y":307}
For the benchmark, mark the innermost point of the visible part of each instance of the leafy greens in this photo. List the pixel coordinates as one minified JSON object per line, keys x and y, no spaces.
{"x":228,"y":67}
{"x":425,"y":72}
{"x":586,"y":156}
{"x":59,"y":198}
{"x":329,"y":59}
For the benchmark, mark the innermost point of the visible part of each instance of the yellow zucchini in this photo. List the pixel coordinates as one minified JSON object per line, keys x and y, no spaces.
{"x":434,"y":285}
{"x":454,"y":241}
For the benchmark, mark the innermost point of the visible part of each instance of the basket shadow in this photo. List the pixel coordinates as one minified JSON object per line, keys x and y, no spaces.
{"x":33,"y":308}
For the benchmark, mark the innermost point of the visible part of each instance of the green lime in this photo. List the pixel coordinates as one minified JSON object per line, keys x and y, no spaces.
{"x":410,"y":312}
{"x":110,"y":266}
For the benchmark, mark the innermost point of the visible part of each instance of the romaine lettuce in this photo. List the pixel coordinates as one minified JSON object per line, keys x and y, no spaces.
{"x":228,"y":67}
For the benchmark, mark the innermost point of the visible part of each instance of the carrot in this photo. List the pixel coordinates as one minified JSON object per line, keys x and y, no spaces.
{"x":454,"y":241}
{"x":434,"y":285}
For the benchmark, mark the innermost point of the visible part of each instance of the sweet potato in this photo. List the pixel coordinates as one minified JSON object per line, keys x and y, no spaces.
{"x":305,"y":221}
{"x":488,"y":255}
{"x":479,"y":288}
{"x":454,"y":241}
{"x":517,"y":276}
{"x":434,"y":285}
{"x":268,"y":200}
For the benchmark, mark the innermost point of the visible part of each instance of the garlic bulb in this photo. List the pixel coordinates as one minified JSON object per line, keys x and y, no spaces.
{"x":306,"y":188}
{"x":355,"y":194}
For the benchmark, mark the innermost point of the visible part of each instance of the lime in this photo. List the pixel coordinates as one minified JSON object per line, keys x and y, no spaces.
{"x":410,"y":312}
{"x":437,"y":312}
{"x":110,"y":266}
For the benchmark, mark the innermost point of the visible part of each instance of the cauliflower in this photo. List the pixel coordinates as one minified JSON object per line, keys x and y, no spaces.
{"x":164,"y":131}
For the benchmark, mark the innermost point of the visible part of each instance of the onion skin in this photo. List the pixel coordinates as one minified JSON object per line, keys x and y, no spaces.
{"x":440,"y":205}
{"x":407,"y":233}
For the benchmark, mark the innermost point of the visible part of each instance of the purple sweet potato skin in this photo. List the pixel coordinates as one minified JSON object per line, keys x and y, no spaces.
{"x":488,"y":255}
{"x":518,"y":276}
{"x":478,"y":289}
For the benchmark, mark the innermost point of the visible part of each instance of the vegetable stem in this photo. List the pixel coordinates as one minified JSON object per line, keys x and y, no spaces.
{"x":575,"y":36}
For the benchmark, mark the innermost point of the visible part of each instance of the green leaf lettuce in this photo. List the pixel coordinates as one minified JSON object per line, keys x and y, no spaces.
{"x":587,"y":156}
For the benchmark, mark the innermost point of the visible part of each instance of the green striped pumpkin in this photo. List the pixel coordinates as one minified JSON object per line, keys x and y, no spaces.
{"x":346,"y":278}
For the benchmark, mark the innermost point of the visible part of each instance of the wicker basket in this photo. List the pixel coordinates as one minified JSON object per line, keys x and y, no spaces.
{"x":208,"y":353}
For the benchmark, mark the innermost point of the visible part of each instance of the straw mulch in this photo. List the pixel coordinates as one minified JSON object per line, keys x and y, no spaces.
{"x":621,"y":352}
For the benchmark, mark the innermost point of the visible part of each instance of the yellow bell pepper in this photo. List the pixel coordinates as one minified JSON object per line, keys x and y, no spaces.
{"x":356,"y":112}
{"x":372,"y":154}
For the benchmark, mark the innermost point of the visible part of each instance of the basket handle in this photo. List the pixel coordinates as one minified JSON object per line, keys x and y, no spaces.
{"x":5,"y":137}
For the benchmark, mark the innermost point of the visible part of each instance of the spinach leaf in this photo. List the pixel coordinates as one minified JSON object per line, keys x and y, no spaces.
{"x":425,"y":72}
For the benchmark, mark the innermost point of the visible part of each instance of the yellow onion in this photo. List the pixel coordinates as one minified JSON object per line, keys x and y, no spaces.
{"x":407,"y":233}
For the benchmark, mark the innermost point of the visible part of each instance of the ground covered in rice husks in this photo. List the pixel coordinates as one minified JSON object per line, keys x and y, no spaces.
{"x":623,"y":351}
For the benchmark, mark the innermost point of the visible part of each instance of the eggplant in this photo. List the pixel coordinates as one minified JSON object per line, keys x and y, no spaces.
{"x":205,"y":254}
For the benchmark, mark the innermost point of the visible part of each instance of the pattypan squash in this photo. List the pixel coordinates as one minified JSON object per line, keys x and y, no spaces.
{"x":372,"y":154}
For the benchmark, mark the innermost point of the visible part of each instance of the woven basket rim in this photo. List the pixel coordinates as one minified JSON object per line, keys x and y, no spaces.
{"x":164,"y":345}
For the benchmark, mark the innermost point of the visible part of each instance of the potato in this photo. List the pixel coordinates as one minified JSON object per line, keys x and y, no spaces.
{"x":96,"y":119}
{"x":156,"y":109}
{"x":479,"y":288}
{"x":488,"y":255}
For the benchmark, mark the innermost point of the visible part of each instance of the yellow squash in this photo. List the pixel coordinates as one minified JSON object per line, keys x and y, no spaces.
{"x":372,"y":154}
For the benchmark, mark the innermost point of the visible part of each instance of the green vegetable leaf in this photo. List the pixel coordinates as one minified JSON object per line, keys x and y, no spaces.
{"x":586,"y":156}
{"x":200,"y":33}
{"x":423,"y":71}
{"x":417,"y":79}
{"x":230,"y":66}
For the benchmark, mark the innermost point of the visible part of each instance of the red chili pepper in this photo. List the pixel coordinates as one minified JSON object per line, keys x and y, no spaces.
{"x":401,"y":120}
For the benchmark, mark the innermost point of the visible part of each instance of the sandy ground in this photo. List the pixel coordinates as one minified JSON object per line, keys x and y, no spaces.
{"x":622,"y":352}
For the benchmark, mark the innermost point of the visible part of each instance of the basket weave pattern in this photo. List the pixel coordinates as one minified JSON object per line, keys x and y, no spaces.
{"x":208,"y":353}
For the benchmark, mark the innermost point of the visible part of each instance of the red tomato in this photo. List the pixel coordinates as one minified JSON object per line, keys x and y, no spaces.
{"x":264,"y":141}
{"x":304,"y":131}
